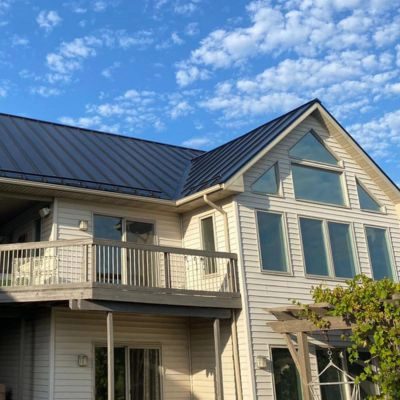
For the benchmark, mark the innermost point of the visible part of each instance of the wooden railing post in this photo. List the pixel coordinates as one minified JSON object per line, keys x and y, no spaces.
{"x":167,"y":270}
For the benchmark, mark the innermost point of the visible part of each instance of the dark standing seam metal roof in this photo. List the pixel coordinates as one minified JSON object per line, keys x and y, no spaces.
{"x":220,"y":164}
{"x":54,"y":153}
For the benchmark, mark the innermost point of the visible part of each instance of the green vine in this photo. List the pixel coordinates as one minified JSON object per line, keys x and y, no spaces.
{"x":375,"y":317}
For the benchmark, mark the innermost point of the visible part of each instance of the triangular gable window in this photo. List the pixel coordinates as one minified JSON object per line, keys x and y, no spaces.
{"x":310,"y":148}
{"x":367,"y":202}
{"x":267,"y":182}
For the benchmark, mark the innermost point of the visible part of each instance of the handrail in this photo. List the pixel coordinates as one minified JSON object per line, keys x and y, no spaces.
{"x":44,"y":245}
{"x":115,"y":243}
{"x":164,"y":249}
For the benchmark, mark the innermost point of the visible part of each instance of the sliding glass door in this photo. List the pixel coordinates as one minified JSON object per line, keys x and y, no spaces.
{"x":119,"y":265}
{"x":137,"y":373}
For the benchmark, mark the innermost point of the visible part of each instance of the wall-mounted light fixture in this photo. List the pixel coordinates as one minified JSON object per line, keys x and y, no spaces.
{"x":83,"y":360}
{"x":261,"y":362}
{"x":83,"y":225}
{"x":44,"y":212}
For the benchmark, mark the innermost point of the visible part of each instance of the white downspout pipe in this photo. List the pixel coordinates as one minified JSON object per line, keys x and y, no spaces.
{"x":235,"y":343}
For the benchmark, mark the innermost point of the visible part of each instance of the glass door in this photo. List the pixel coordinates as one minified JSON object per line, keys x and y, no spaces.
{"x":137,"y":373}
{"x":108,"y":257}
{"x":142,"y":265}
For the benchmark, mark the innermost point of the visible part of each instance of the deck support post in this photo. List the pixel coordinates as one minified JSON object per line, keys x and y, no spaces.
{"x":236,"y":361}
{"x":21,"y":359}
{"x":218,"y":363}
{"x":304,"y":361}
{"x":110,"y":355}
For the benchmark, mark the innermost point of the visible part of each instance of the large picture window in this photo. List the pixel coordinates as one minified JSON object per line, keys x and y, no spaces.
{"x":379,"y":254}
{"x":315,"y":184}
{"x":328,"y":248}
{"x":271,"y":237}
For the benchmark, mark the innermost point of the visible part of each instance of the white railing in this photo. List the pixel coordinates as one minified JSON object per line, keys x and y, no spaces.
{"x":116,"y":263}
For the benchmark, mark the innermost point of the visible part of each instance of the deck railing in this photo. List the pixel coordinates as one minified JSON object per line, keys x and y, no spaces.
{"x":116,"y":263}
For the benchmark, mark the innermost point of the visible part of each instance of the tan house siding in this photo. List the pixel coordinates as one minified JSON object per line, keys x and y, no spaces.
{"x":167,"y":225}
{"x":268,"y":289}
{"x":192,"y":239}
{"x":78,"y":332}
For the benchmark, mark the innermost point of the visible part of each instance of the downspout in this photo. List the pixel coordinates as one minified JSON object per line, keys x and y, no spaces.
{"x":235,"y":344}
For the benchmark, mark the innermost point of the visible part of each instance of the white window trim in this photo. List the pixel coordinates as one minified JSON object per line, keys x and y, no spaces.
{"x":327,"y":148}
{"x":208,"y":215}
{"x":389,"y":243}
{"x":128,"y":346}
{"x":275,"y":165}
{"x":328,"y":248}
{"x":382,"y":208}
{"x":342,"y":180}
{"x":289,"y":271}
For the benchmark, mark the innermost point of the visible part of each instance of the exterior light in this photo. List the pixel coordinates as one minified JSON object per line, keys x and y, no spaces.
{"x":83,"y":225}
{"x":83,"y":360}
{"x":44,"y":212}
{"x":261,"y":362}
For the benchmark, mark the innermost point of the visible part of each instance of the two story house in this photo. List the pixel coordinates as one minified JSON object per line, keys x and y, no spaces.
{"x":137,"y":270}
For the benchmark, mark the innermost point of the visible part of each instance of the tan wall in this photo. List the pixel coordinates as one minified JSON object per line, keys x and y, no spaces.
{"x":268,"y":289}
{"x":192,"y":239}
{"x":69,"y":213}
{"x":78,"y":332}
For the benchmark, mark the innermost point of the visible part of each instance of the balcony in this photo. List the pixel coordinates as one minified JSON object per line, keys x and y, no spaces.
{"x":107,"y":270}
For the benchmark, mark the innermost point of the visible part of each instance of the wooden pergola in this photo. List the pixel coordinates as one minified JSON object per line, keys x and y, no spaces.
{"x":291,"y":322}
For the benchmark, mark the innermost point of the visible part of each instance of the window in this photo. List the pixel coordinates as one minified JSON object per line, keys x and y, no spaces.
{"x":367,"y":202}
{"x":379,"y":254}
{"x":208,"y":240}
{"x":267,"y":182}
{"x":271,"y":238}
{"x":135,"y":369}
{"x":286,"y":378}
{"x":316,"y":184}
{"x":311,"y":148}
{"x":328,"y":248}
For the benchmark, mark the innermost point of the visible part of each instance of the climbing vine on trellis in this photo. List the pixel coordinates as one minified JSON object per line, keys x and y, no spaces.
{"x":372,"y":309}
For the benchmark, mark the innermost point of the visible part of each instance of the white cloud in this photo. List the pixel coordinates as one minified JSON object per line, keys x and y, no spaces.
{"x":192,"y":29}
{"x":179,"y":109}
{"x":3,"y":92}
{"x":176,"y":39}
{"x":70,"y":56}
{"x":108,"y":72}
{"x":380,"y":136}
{"x":17,"y":40}
{"x":45,"y":91}
{"x":305,"y":28}
{"x":197,"y":142}
{"x":48,"y":19}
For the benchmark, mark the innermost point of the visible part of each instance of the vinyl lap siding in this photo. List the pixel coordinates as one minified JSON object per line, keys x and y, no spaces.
{"x":192,"y":239}
{"x":268,"y":289}
{"x":78,"y":332}
{"x":167,"y":225}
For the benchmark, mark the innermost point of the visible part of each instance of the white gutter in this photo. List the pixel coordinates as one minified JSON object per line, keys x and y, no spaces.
{"x":235,"y":342}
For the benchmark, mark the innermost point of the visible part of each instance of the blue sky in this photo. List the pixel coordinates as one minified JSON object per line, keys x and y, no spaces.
{"x":200,"y":72}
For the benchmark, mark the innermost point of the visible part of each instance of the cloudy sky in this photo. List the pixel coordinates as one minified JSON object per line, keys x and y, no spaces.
{"x":201,"y":72}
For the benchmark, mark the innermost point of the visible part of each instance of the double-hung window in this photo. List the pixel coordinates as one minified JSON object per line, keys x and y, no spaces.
{"x":328,"y":248}
{"x":379,"y":252}
{"x":208,"y":241}
{"x":272,"y":243}
{"x":315,"y":172}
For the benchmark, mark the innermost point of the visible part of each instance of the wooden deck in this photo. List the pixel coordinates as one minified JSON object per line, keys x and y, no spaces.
{"x":117,"y":271}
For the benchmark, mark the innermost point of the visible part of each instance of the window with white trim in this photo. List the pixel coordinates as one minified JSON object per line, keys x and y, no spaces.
{"x":268,"y":182}
{"x":327,"y":248}
{"x":379,"y":252}
{"x":367,"y":202}
{"x":271,"y":238}
{"x":311,"y":180}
